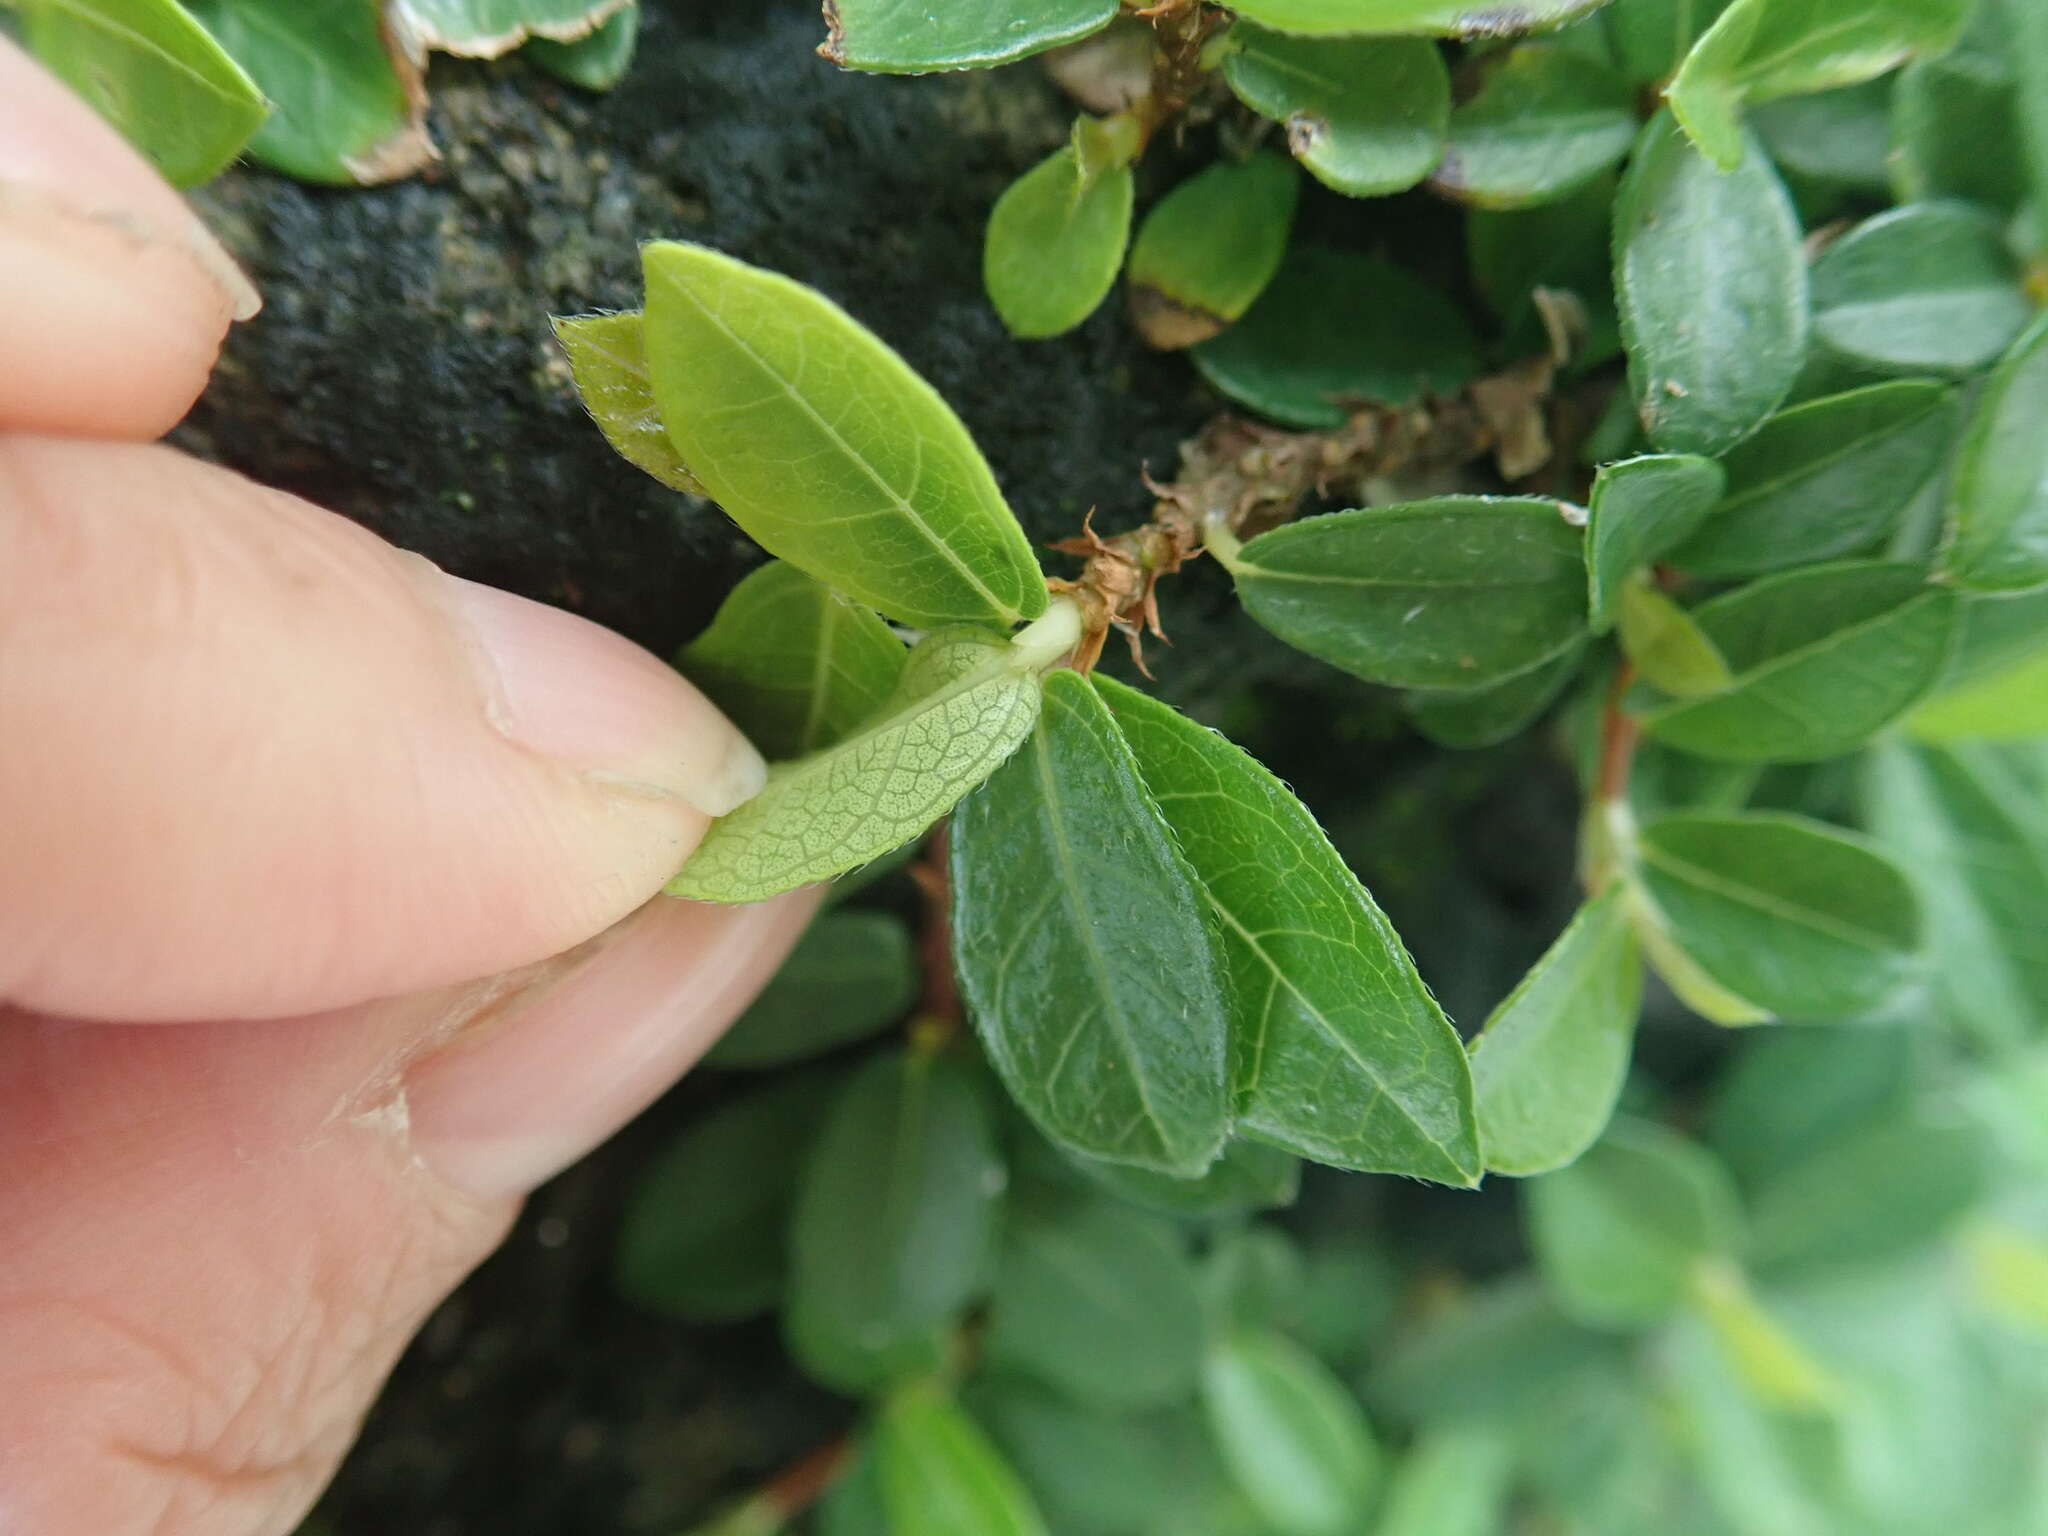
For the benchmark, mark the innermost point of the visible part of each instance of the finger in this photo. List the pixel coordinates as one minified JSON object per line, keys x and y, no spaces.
{"x":219,"y":1237}
{"x":259,"y":762}
{"x":113,"y":296}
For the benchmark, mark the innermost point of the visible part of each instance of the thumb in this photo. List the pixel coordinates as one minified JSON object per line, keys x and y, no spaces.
{"x":261,"y":763}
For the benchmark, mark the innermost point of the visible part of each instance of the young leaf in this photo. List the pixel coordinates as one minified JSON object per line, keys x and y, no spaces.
{"x":1428,"y":18}
{"x":1055,"y":242}
{"x":1249,"y":1176}
{"x":1824,"y":479}
{"x":825,"y":446}
{"x":1801,"y":919}
{"x":1712,"y":283}
{"x":596,"y":62}
{"x":1209,"y":248}
{"x":1667,"y":648}
{"x":873,"y":791}
{"x":1641,"y":510}
{"x":1458,"y":592}
{"x":941,"y":1477}
{"x":1618,"y":1233}
{"x":849,"y":975}
{"x":912,"y":37}
{"x":152,"y":72}
{"x":1338,"y":1051}
{"x":608,"y":358}
{"x":1336,"y":329}
{"x":1824,"y":658}
{"x":1366,"y":117}
{"x":1466,"y":718}
{"x":795,"y":665}
{"x":1546,"y":122}
{"x":1085,"y":948}
{"x":1292,"y":1436}
{"x":1453,"y":1481}
{"x":700,"y":1244}
{"x":894,"y":1221}
{"x":1098,"y":1303}
{"x":1548,"y":1067}
{"x":1998,"y":508}
{"x":1928,"y":288}
{"x":485,"y":29}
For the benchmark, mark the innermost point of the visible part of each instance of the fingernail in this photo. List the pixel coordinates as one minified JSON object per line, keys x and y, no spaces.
{"x":575,"y":692}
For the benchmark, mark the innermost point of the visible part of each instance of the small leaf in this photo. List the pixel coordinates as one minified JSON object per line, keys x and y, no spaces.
{"x":608,"y":357}
{"x":2006,"y":704}
{"x":1111,"y":1033}
{"x":1948,"y":107}
{"x":1548,"y":1066}
{"x":1293,"y":1438}
{"x":1209,"y":248}
{"x":1431,"y":18}
{"x":869,"y":793}
{"x":911,"y":37}
{"x":894,"y":1222}
{"x":1712,"y":283}
{"x":596,"y":62}
{"x":1998,"y":508}
{"x":826,"y":448}
{"x":1774,"y":1365}
{"x":1466,"y":718}
{"x":1453,"y":1481}
{"x":1618,"y":1233}
{"x":1668,"y":649}
{"x":1252,"y":1277}
{"x":1801,"y":919}
{"x":1459,"y":592}
{"x":1339,"y":1053}
{"x":1098,"y":1303}
{"x":487,"y":29}
{"x":1827,"y":478}
{"x":1641,"y":510}
{"x":849,"y":975}
{"x":1365,"y":117}
{"x":1092,"y":1473}
{"x":1545,"y":123}
{"x":1249,"y":1176}
{"x":1835,"y":139}
{"x":1792,"y":1091}
{"x":152,"y":72}
{"x":941,"y":1477}
{"x":792,"y":663}
{"x":1055,"y":242}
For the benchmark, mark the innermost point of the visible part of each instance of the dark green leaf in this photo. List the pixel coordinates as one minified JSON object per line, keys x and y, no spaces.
{"x":1438,"y":18}
{"x":1650,"y":38}
{"x":941,"y":1477}
{"x":1092,"y":1473}
{"x":1055,"y":242}
{"x":1801,"y":919}
{"x":826,"y":447}
{"x":1948,"y":108}
{"x":153,"y":72}
{"x":1466,"y":718}
{"x":1209,"y":248}
{"x":852,"y":1505}
{"x":1293,"y":1438}
{"x":1249,"y":1176}
{"x":1712,"y":283}
{"x":1794,"y":1090}
{"x":1545,"y":123}
{"x":597,"y":62}
{"x":608,"y":356}
{"x":1834,"y":139}
{"x":911,"y":37}
{"x":1252,"y":1277}
{"x":1366,"y":117}
{"x":1452,"y":1481}
{"x":1085,"y":948}
{"x":487,"y":28}
{"x":1459,"y":592}
{"x":1618,"y":1234}
{"x":1562,"y":246}
{"x":1998,"y":508}
{"x":1351,"y":1287}
{"x":893,"y":1224}
{"x":1666,"y":646}
{"x":1099,"y":1303}
{"x":1548,"y":1067}
{"x":698,"y":1242}
{"x":1642,"y":509}
{"x":1823,"y":479}
{"x":849,"y":975}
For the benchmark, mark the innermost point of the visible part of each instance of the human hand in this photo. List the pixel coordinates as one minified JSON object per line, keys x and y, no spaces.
{"x":325,"y":929}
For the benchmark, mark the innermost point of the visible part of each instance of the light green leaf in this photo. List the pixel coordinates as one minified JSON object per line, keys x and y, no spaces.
{"x":1099,"y":1303}
{"x":825,"y":446}
{"x":1453,"y":1481}
{"x":1110,"y":1032}
{"x":894,"y":1222}
{"x":1641,"y":510}
{"x":1686,"y":978}
{"x":1618,"y":1233}
{"x":485,"y":29}
{"x":1458,"y":592}
{"x":1090,"y":1472}
{"x":1668,"y":649}
{"x":1545,"y":122}
{"x":1791,"y":1091}
{"x":849,"y":975}
{"x":2008,"y":704}
{"x":941,"y":1477}
{"x":1338,"y":1051}
{"x":1824,"y":658}
{"x":1712,"y":284}
{"x":792,"y":663}
{"x":1801,"y":919}
{"x":1249,"y":1176}
{"x":348,"y":107}
{"x":152,"y":72}
{"x":1055,"y":242}
{"x":608,"y":358}
{"x":873,"y":791}
{"x":1366,"y":117}
{"x":1772,"y":1363}
{"x":1548,"y":1067}
{"x":1948,"y":107}
{"x":1827,"y":478}
{"x":1465,"y":718}
{"x":1209,"y":248}
{"x":1998,"y":507}
{"x":1433,"y":18}
{"x":597,"y":62}
{"x":1293,"y":1438}
{"x":911,"y":37}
